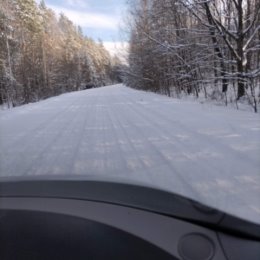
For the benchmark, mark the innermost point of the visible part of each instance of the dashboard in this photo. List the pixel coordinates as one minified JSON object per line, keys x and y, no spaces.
{"x":68,"y":220}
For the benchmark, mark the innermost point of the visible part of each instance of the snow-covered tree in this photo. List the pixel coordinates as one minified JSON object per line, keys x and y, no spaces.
{"x":193,"y":47}
{"x":42,"y":55}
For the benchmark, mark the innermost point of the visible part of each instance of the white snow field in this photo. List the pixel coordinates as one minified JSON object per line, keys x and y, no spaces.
{"x":208,"y":153}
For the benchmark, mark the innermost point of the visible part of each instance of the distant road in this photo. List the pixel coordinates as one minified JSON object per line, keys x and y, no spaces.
{"x":205,"y":152}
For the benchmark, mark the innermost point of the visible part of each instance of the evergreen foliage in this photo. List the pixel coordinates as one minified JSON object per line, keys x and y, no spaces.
{"x":42,"y":55}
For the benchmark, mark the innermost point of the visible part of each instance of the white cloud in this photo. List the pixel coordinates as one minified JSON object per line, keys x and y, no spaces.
{"x":77,"y":3}
{"x":88,"y":19}
{"x":118,"y":48}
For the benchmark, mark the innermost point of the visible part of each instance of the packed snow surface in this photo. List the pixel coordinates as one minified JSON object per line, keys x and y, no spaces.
{"x":208,"y":153}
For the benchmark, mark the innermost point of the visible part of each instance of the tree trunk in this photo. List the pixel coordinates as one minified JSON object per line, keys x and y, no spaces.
{"x":241,"y":81}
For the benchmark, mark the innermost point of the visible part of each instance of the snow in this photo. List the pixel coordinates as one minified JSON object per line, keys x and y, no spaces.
{"x":207,"y":153}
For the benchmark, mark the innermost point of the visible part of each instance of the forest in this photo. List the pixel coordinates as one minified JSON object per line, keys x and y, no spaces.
{"x":43,"y":55}
{"x":199,"y":48}
{"x":208,"y":48}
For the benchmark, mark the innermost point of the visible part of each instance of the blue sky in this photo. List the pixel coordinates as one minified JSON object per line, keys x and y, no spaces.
{"x":99,"y":19}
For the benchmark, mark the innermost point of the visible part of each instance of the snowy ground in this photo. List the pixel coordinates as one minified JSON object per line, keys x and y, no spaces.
{"x":211,"y":154}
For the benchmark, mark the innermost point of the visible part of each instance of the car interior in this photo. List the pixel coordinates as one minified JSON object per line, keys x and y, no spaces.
{"x":67,"y":219}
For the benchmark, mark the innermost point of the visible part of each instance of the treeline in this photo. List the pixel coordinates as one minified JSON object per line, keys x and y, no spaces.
{"x":209,"y":48}
{"x":42,"y":55}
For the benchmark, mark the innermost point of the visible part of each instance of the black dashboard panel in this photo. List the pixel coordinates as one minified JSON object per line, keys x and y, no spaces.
{"x":127,"y":194}
{"x":123,"y":229}
{"x":27,"y":235}
{"x":102,"y":220}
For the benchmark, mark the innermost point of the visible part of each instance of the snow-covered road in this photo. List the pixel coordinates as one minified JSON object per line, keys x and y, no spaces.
{"x":209,"y":153}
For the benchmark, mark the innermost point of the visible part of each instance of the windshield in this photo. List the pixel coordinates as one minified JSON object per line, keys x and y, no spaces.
{"x":139,"y":91}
